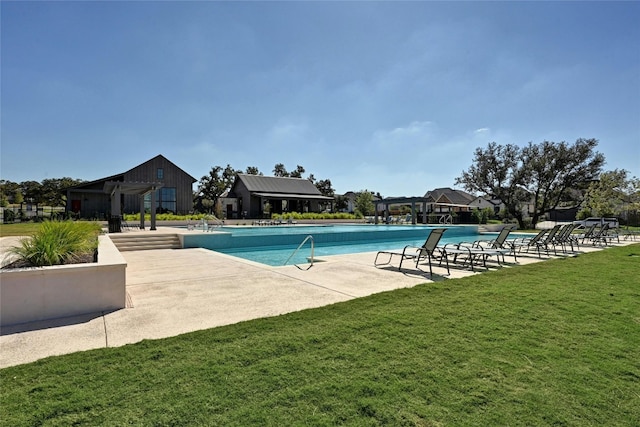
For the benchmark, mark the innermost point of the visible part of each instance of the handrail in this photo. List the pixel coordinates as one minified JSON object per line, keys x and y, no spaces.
{"x":204,"y":224}
{"x":309,"y":237}
{"x":446,"y":219}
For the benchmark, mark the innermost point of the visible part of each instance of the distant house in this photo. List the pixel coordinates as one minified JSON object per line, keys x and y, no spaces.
{"x":448,"y":200}
{"x":258,"y":196}
{"x":156,"y":185}
{"x":351,"y":197}
{"x":482,"y":202}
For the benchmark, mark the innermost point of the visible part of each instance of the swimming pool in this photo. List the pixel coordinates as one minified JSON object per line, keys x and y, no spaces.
{"x":273,"y":245}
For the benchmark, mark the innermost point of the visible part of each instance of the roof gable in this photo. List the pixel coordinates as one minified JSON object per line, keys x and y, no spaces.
{"x":162,"y":159}
{"x":452,"y":196}
{"x":98,"y":183}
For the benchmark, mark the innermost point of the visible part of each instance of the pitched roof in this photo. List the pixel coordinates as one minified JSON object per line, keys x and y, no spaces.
{"x":449,"y":195}
{"x":161,"y":157}
{"x":120,"y":176}
{"x":278,"y":185}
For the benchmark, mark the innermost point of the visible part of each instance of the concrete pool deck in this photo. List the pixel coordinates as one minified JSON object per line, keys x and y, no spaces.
{"x":171,"y":292}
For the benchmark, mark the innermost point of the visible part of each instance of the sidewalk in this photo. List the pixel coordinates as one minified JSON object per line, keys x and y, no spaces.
{"x":171,"y":292}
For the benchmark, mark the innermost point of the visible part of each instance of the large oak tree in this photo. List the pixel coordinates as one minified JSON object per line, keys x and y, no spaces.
{"x":538,"y":175}
{"x":213,"y":185}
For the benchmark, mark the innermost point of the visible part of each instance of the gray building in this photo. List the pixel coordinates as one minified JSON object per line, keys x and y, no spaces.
{"x":259,"y":196}
{"x":157,"y":186}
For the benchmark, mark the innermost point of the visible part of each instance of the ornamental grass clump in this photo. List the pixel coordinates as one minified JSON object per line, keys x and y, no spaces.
{"x":58,"y":242}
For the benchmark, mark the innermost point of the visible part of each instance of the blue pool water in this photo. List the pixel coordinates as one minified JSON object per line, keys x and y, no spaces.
{"x":274,"y":245}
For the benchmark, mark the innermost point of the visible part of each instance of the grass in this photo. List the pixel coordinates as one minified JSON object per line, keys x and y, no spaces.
{"x":19,"y":229}
{"x":30,"y":228}
{"x":554,"y":343}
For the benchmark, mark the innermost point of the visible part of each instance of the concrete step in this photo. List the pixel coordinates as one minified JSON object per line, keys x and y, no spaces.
{"x":144,"y":242}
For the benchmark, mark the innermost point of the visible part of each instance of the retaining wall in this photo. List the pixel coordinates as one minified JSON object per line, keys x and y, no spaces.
{"x":31,"y":294}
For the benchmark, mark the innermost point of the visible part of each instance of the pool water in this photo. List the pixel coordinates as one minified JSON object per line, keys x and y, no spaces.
{"x":278,"y":255}
{"x":274,"y":245}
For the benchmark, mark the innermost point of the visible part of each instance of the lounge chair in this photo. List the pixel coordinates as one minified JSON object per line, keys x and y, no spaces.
{"x":588,"y":233}
{"x":627,"y":234}
{"x":548,"y":241}
{"x":429,"y":250}
{"x":500,"y":243}
{"x":604,"y":234}
{"x":472,"y":253}
{"x":539,"y":241}
{"x":564,"y":237}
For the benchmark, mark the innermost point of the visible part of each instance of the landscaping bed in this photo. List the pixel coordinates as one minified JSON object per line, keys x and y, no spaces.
{"x":41,"y":293}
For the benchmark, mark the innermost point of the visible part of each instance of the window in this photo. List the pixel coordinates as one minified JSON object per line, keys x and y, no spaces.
{"x":160,"y":174}
{"x":166,"y":200}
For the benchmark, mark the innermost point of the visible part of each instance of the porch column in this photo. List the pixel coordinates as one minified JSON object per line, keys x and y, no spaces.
{"x":153,"y":209}
{"x":142,"y":212}
{"x":413,"y":212}
{"x":424,"y":212}
{"x":115,"y":201}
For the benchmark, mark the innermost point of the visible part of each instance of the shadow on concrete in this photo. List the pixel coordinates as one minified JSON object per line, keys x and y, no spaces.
{"x":52,"y":323}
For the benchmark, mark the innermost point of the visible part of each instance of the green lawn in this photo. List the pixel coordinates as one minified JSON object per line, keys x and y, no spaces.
{"x":19,"y":229}
{"x":22,"y":228}
{"x":555,"y":343}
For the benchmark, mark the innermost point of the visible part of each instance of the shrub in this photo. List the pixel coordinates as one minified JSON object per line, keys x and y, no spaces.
{"x":584,"y":213}
{"x":481,"y":215}
{"x":58,"y":242}
{"x":312,"y":216}
{"x":9,"y":216}
{"x":165,"y":217}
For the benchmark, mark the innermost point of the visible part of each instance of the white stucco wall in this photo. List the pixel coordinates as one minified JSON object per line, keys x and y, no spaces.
{"x":31,"y":294}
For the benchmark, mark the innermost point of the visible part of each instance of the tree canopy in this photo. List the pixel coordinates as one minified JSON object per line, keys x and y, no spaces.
{"x":539,"y":176}
{"x":364,"y":203}
{"x":220,"y":180}
{"x":50,"y":192}
{"x":213,"y":185}
{"x":613,"y":193}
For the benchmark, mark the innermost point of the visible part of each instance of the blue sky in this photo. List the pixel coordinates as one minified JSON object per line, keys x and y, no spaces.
{"x":392,"y":97}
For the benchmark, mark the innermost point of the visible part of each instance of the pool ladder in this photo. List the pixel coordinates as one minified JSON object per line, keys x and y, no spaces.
{"x":309,"y":237}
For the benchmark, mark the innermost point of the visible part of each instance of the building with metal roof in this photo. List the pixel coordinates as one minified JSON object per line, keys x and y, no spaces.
{"x":259,"y":196}
{"x":155,"y":186}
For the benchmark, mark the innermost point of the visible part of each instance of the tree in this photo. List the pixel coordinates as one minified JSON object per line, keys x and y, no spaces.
{"x":342,"y":203}
{"x":612,"y":194}
{"x":280,"y":170}
{"x":8,"y":191}
{"x":297,"y":173}
{"x":54,"y":190}
{"x":542,"y":174}
{"x":212,"y":186}
{"x":18,"y":199}
{"x":552,"y":171}
{"x":482,"y":215}
{"x":364,"y":203}
{"x":324,"y":185}
{"x":252,"y":170}
{"x":497,"y":171}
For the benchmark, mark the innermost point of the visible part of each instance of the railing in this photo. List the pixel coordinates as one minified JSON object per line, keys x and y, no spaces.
{"x":205,"y":224}
{"x":309,"y":237}
{"x":445,"y":219}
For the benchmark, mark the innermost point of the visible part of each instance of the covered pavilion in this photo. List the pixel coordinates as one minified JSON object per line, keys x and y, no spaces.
{"x":414,"y":201}
{"x":116,"y":189}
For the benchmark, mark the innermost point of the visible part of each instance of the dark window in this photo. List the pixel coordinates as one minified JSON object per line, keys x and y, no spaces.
{"x":160,"y":173}
{"x":166,"y":200}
